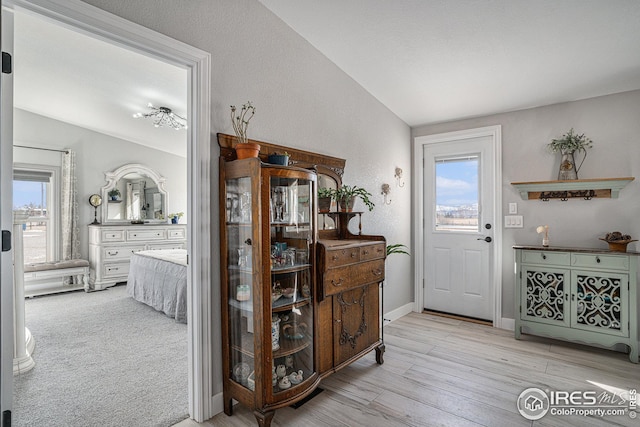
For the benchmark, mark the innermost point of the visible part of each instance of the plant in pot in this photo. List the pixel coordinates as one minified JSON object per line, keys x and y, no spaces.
{"x":240,"y":120}
{"x":347,"y":194}
{"x":325,"y":195}
{"x":567,"y":146}
{"x":114,"y":194}
{"x":279,"y":159}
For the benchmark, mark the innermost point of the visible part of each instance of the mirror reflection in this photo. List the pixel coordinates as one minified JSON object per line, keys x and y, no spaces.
{"x":134,"y":193}
{"x":325,"y":222}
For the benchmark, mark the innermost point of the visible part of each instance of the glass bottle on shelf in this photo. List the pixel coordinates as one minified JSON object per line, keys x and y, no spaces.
{"x":291,"y":235}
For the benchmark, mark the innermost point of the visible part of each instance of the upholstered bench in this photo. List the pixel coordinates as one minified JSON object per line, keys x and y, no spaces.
{"x":49,"y":277}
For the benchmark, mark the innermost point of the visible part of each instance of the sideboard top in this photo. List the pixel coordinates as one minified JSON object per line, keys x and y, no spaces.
{"x":570,"y":249}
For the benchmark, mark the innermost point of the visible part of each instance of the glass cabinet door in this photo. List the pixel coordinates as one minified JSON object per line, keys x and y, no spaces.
{"x":291,"y":237}
{"x":239,"y":229}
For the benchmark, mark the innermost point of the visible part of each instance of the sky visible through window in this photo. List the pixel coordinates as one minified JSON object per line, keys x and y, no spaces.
{"x":29,"y":193}
{"x":457,"y":182}
{"x":457,"y":194}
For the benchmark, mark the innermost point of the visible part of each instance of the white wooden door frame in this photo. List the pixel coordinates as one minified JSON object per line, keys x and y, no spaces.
{"x":6,"y":223}
{"x":495,"y":133}
{"x":203,"y":404}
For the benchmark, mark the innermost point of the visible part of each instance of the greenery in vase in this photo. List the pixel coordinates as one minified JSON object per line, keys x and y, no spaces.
{"x":240,"y":120}
{"x":347,"y":192}
{"x":114,"y":193}
{"x":569,"y":143}
{"x":176,"y":215}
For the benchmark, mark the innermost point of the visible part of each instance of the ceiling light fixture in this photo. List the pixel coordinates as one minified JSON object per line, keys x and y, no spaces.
{"x":163,"y":116}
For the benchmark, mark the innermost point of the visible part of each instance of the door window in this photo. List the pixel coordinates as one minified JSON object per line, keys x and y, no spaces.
{"x":457,"y":201}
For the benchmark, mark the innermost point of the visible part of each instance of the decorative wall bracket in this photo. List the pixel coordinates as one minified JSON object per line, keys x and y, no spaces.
{"x":579,"y":188}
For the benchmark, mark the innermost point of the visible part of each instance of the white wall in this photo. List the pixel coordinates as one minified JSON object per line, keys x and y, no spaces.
{"x":96,"y":154}
{"x":612,"y":123}
{"x":302,"y":99}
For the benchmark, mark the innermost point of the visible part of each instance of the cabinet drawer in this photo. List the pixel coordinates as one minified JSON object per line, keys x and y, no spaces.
{"x":121,"y":252}
{"x":338,"y":257}
{"x":137,"y":235}
{"x":176,"y":245}
{"x":343,"y":278}
{"x":376,"y":251}
{"x":112,"y":235}
{"x":177,"y":234}
{"x":610,"y":262}
{"x":115,"y":269}
{"x":546,"y":257}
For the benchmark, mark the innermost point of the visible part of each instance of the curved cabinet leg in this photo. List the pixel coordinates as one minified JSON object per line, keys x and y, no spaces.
{"x":264,"y":418}
{"x":379,"y":354}
{"x":228,"y":406}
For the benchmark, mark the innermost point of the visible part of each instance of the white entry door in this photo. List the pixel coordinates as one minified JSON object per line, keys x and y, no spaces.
{"x":459,"y":226}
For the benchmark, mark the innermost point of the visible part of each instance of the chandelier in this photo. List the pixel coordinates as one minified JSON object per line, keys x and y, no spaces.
{"x":163,"y":116}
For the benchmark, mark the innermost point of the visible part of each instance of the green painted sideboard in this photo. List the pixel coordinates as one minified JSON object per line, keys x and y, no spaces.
{"x":581,"y":295}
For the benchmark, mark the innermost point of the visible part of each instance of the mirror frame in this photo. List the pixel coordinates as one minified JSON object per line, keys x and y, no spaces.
{"x":112,"y":179}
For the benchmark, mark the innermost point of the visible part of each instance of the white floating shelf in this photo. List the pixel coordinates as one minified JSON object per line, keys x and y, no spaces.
{"x":579,"y":188}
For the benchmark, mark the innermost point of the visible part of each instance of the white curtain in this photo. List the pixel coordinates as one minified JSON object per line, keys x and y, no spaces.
{"x":69,"y":216}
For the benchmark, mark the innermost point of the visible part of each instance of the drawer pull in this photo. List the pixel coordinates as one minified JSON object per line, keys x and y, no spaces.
{"x":377,"y":272}
{"x":338,"y":283}
{"x":366,"y":252}
{"x":338,"y":321}
{"x":598,"y":259}
{"x":113,"y":253}
{"x":335,"y":257}
{"x":353,"y":254}
{"x":113,"y":268}
{"x":544,"y":256}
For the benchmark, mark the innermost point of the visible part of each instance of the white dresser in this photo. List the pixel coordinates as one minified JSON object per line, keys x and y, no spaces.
{"x":111,"y":246}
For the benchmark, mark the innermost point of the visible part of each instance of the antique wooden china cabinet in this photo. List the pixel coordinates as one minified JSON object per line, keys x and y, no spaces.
{"x":299,"y":291}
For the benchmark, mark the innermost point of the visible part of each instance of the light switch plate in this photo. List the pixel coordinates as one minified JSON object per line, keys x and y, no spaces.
{"x":513,"y":208}
{"x":513,"y":221}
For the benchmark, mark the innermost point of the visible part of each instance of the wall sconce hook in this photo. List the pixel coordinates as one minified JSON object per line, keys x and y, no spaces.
{"x":386,"y":191}
{"x":398,"y":176}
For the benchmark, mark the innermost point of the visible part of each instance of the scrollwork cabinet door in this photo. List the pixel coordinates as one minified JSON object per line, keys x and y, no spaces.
{"x":545,"y":295}
{"x":600,"y":302}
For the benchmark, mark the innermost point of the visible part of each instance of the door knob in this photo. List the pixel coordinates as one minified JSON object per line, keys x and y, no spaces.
{"x":486,"y":239}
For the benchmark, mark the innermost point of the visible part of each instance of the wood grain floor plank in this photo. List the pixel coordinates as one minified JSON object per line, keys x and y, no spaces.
{"x":447,"y":372}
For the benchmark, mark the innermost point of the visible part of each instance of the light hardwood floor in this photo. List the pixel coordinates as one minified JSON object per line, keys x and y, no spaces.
{"x":446,"y":372}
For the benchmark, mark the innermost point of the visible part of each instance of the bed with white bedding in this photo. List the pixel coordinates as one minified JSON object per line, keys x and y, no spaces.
{"x":158,"y":278}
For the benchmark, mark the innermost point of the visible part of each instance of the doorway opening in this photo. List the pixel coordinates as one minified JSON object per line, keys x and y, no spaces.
{"x":457,"y":223}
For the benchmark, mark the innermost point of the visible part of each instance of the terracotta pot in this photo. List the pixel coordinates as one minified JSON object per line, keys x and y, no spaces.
{"x":247,"y":150}
{"x":324,"y":204}
{"x":346,"y":204}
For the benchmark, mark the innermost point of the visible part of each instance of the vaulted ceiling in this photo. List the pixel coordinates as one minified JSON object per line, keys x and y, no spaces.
{"x":428,"y":61}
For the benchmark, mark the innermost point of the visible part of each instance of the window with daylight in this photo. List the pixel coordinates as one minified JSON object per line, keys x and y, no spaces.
{"x":457,"y":193}
{"x":34,"y":192}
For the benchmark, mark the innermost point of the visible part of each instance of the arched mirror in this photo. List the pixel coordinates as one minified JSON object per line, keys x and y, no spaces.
{"x":134,"y":193}
{"x":328,"y":179}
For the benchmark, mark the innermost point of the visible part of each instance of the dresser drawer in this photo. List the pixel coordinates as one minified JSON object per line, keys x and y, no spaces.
{"x":546,"y":257}
{"x":340,"y":279}
{"x":177,"y":234}
{"x":609,"y":262}
{"x":175,"y":245}
{"x":115,"y":269}
{"x":120,"y":252}
{"x":377,"y":251}
{"x":338,"y":257}
{"x":151,"y":234}
{"x":112,"y":235}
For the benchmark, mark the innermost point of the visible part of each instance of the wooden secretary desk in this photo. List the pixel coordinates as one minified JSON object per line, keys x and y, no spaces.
{"x":336,"y":291}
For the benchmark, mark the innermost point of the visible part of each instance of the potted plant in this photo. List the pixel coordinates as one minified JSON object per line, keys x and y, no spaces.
{"x":325,"y":195}
{"x":397,"y":248}
{"x":240,"y":120}
{"x":175,"y":217}
{"x":567,"y":146}
{"x":114,"y":194}
{"x":346,"y":197}
{"x":279,"y":159}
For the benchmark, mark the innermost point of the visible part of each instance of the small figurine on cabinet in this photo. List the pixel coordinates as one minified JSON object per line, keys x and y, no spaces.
{"x":281,"y":371}
{"x":296,"y":377}
{"x":288,"y":361}
{"x":284,"y":383}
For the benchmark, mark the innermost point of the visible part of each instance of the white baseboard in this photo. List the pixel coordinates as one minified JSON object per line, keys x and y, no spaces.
{"x":508,"y":324}
{"x":397,"y":313}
